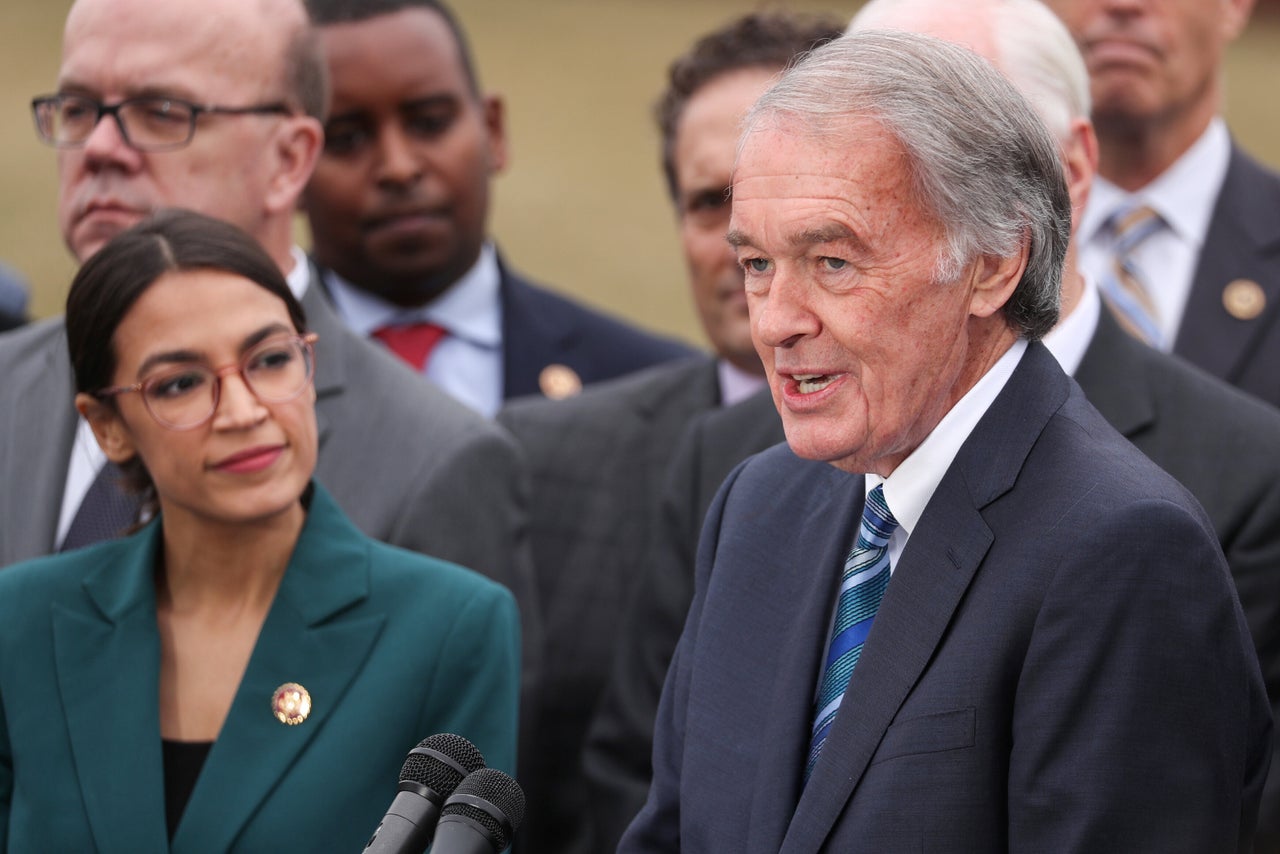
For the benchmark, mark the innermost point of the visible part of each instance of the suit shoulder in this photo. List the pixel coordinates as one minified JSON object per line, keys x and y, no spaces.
{"x":32,"y":341}
{"x":28,"y":587}
{"x":688,"y":384}
{"x":1210,"y":408}
{"x":383,"y":391}
{"x":1087,"y":456}
{"x":410,"y":577}
{"x":592,"y":326}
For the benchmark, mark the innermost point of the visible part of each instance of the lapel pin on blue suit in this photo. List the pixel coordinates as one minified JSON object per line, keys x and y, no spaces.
{"x":291,"y":703}
{"x":1244,"y":299}
{"x":559,"y":381}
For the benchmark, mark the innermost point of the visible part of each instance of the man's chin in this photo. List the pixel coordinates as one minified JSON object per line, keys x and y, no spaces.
{"x":88,"y":238}
{"x":408,"y":285}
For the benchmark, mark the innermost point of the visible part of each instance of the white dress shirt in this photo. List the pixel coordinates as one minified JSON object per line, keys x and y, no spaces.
{"x":909,"y":487}
{"x":1069,"y":340}
{"x":1184,"y":195}
{"x":467,"y":363}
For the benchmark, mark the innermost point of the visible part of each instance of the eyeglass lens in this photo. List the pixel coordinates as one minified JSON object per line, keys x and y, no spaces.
{"x":144,"y":122}
{"x":275,"y":371}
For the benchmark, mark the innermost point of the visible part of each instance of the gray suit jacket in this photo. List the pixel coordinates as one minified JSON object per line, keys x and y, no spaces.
{"x":596,"y":462}
{"x":1059,"y":663}
{"x":1243,"y":242}
{"x":408,"y":464}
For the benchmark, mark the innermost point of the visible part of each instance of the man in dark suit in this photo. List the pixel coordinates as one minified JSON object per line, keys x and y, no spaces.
{"x":1229,"y":461}
{"x":597,"y":460}
{"x":398,"y":208}
{"x":1211,"y":264}
{"x":454,"y":490}
{"x":1058,"y":661}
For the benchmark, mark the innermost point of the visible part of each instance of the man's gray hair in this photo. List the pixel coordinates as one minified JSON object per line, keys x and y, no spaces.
{"x":1033,"y":48}
{"x":983,"y":163}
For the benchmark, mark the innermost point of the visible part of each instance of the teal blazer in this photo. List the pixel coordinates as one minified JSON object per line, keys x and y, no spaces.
{"x":392,"y":647}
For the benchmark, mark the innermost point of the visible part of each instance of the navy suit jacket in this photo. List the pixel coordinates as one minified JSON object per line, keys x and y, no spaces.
{"x":1059,"y":663}
{"x":392,"y":646}
{"x":541,"y":328}
{"x":1243,"y":242}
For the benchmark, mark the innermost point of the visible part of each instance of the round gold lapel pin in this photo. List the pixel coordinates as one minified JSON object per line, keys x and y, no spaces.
{"x":559,"y":381}
{"x":1244,"y":299}
{"x":291,"y":703}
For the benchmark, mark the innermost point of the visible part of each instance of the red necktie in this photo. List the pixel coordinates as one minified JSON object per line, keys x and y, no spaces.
{"x":412,"y":342}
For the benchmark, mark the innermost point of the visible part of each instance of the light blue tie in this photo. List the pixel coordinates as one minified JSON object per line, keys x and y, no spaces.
{"x":1123,"y":285}
{"x":866,"y":575}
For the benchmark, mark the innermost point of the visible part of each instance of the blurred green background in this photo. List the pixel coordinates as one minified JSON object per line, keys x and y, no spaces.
{"x":581,"y":205}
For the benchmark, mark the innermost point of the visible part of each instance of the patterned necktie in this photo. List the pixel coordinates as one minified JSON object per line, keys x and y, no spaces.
{"x":1123,"y":284}
{"x":866,"y":575}
{"x":106,"y":511}
{"x":412,"y":342}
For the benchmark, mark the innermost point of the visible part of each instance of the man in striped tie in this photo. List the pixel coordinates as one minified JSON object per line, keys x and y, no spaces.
{"x":957,"y":611}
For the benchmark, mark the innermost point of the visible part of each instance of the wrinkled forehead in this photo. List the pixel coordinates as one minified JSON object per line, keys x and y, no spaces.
{"x":791,"y":154}
{"x":206,"y":51}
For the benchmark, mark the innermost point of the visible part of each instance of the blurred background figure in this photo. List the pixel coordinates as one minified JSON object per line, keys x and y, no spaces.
{"x":248,"y":667}
{"x":1182,"y":232}
{"x":14,"y":294}
{"x":399,"y":210}
{"x":598,"y":460}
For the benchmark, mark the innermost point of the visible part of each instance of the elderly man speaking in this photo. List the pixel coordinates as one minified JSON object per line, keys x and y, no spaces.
{"x":957,"y":611}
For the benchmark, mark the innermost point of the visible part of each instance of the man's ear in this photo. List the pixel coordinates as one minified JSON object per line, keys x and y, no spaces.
{"x":1080,"y":164}
{"x":108,"y":428}
{"x":994,"y":280}
{"x":1234,"y":18}
{"x":495,"y":125}
{"x":296,"y":149}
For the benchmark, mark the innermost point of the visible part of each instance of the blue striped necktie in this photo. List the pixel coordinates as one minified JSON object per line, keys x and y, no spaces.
{"x":1123,"y":285}
{"x":862,"y":586}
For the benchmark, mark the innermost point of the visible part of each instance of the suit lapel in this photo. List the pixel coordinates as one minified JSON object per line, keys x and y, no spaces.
{"x":838,"y":507}
{"x":305,"y":640}
{"x":108,"y":661}
{"x":1112,"y":377}
{"x":331,"y":352}
{"x":935,"y":570}
{"x":530,"y":340}
{"x":38,"y":438}
{"x":1243,"y":242}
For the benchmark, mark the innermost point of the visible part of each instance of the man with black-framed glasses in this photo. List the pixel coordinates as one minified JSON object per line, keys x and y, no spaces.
{"x":147,"y":123}
{"x":218,"y":107}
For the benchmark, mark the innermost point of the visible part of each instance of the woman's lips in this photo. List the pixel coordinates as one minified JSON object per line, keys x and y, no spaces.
{"x":251,"y":460}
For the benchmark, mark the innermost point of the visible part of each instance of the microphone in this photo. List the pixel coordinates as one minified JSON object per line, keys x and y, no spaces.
{"x":431,"y":773}
{"x":481,"y":815}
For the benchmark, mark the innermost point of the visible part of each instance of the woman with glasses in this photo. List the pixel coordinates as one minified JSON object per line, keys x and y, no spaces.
{"x":247,"y":670}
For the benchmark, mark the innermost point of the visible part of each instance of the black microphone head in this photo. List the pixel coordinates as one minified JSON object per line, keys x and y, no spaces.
{"x":496,"y":788}
{"x":440,"y":762}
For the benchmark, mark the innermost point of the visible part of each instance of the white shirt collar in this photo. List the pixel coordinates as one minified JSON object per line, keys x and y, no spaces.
{"x":1069,"y":340}
{"x":908,"y":489}
{"x":736,"y":384}
{"x":471,"y":309}
{"x":1184,"y":194}
{"x":299,"y":277}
